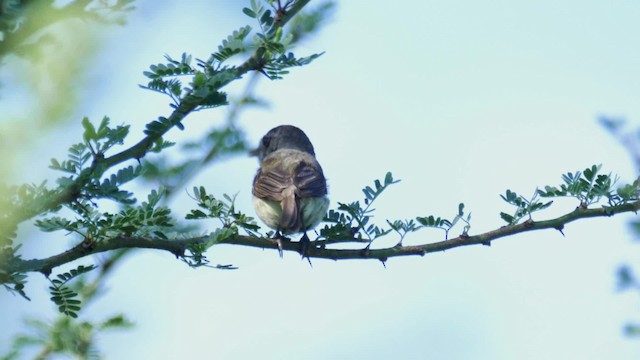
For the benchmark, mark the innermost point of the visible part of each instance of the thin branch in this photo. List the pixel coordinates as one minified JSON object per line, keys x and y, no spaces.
{"x":178,"y":247}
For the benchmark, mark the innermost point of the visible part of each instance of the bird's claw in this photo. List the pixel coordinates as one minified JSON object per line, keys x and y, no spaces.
{"x":278,"y":237}
{"x":279,"y":243}
{"x":305,"y":242}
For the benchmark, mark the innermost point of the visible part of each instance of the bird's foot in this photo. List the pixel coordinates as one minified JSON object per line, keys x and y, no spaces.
{"x":279,"y":239}
{"x":305,"y":242}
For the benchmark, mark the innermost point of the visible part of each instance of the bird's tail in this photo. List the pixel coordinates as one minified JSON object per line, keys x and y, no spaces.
{"x":290,"y":204}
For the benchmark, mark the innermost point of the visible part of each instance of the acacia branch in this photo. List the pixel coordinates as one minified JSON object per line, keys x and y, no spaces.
{"x":316,"y":250}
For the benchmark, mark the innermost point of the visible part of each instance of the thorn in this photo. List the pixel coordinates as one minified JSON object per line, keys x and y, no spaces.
{"x":178,"y":252}
{"x":309,"y":260}
{"x":46,"y":272}
{"x":265,"y":74}
{"x":486,"y":243}
{"x":561,"y":232}
{"x":384,"y":263}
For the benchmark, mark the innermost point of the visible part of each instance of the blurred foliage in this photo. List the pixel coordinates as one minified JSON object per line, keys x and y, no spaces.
{"x":630,"y":139}
{"x":25,"y":26}
{"x":64,"y":336}
{"x":45,"y":49}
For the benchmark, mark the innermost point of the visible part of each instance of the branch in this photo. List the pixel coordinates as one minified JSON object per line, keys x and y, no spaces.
{"x":316,"y":250}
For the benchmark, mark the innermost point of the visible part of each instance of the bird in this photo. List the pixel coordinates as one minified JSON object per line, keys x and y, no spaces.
{"x":289,"y":189}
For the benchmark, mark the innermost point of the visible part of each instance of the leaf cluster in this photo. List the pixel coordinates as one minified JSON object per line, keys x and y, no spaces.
{"x":352,"y":221}
{"x":589,"y":187}
{"x":627,"y":280}
{"x":307,"y":23}
{"x":24,"y":24}
{"x":65,"y":297}
{"x":66,"y":335}
{"x":148,"y":218}
{"x":18,"y":281}
{"x":25,"y":201}
{"x":84,"y":163}
{"x":270,"y":56}
{"x":524,"y":207}
{"x":224,"y":210}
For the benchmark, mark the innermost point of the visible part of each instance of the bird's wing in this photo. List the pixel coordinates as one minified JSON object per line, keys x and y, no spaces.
{"x":271,"y":183}
{"x":309,"y":180}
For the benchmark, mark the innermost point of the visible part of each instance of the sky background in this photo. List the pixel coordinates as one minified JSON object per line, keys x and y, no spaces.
{"x":461,"y":100}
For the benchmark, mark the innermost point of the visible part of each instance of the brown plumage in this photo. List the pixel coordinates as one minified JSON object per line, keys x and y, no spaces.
{"x":290,"y":188}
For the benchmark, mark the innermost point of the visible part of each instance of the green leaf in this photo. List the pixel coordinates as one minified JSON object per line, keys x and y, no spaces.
{"x":89,"y":130}
{"x":196,"y":214}
{"x":266,"y":18}
{"x":249,"y":13}
{"x":508,"y":218}
{"x":388,"y":179}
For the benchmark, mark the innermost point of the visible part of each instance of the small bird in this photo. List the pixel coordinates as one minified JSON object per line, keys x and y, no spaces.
{"x":289,"y":190}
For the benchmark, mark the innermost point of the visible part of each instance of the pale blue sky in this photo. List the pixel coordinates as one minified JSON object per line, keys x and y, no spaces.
{"x":461,"y":100}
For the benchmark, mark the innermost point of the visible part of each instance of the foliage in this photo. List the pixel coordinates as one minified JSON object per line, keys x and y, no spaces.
{"x":62,"y":295}
{"x":627,"y":280}
{"x":588,"y":187}
{"x":93,"y":174}
{"x":65,"y":335}
{"x":22,"y":22}
{"x":352,"y":221}
{"x":270,"y":57}
{"x":524,"y":207}
{"x":226,"y":139}
{"x":223,"y":210}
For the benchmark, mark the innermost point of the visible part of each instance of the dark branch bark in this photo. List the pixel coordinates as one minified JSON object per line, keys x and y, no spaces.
{"x":178,"y":247}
